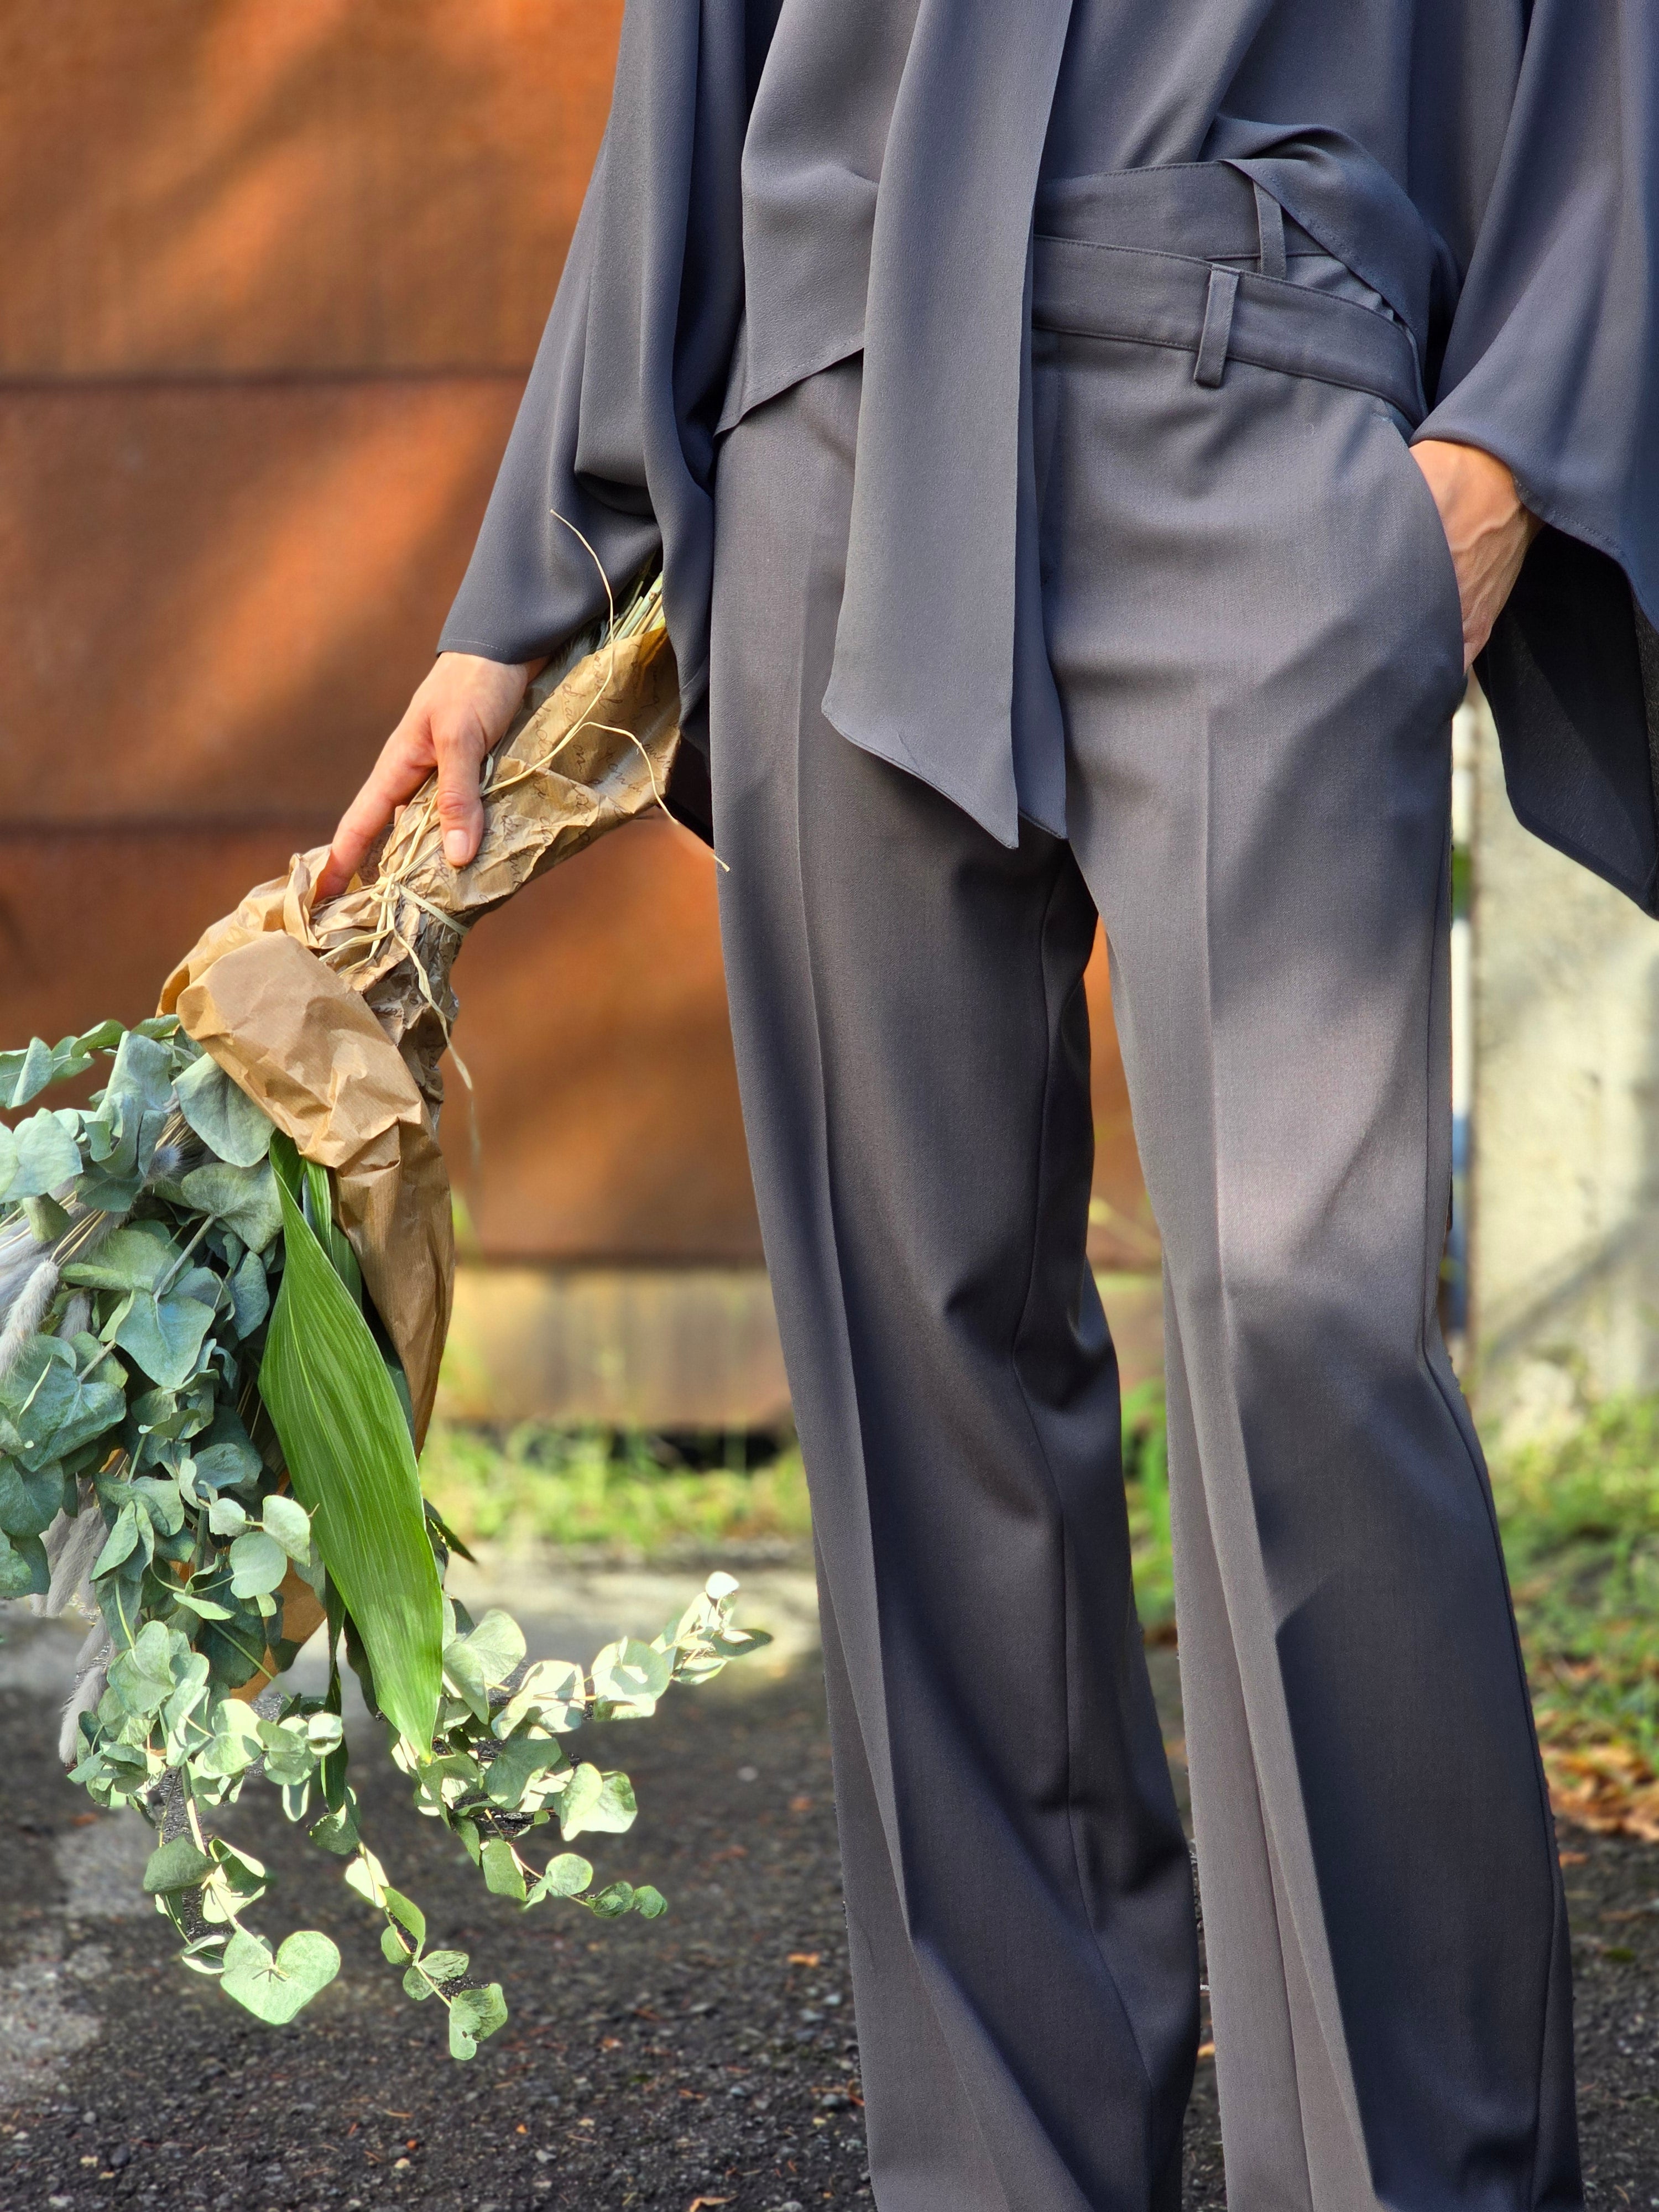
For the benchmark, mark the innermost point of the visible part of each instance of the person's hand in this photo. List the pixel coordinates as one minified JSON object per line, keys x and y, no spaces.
{"x":459,"y":714}
{"x":1486,"y":527}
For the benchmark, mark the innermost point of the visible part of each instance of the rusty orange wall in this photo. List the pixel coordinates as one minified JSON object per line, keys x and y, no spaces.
{"x":274,"y":272}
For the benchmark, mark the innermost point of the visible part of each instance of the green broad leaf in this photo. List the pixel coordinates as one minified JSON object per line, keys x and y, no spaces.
{"x":204,"y":1608}
{"x":337,"y":1832}
{"x":275,"y":1989}
{"x":497,"y":1644}
{"x":405,"y":1911}
{"x":225,"y":1517}
{"x":49,"y":1409}
{"x":258,"y":1565}
{"x":226,"y":1458}
{"x":141,"y":1074}
{"x":165,"y":1336}
{"x":367,"y":1877}
{"x":142,"y":1676}
{"x":30,"y":1501}
{"x":649,"y":1902}
{"x":135,"y":1258}
{"x":393,"y":1947}
{"x":352,"y":1466}
{"x":582,"y":1796}
{"x":24,"y":1569}
{"x":250,"y":1294}
{"x":463,"y":1672}
{"x":515,"y":1764}
{"x":46,"y":1157}
{"x":445,"y":1965}
{"x":473,"y":2016}
{"x":502,"y":1874}
{"x":8,"y":1159}
{"x":222,"y":1115}
{"x":25,"y":1074}
{"x":47,"y":1220}
{"x":416,"y":1985}
{"x":244,"y":1199}
{"x":175,"y":1866}
{"x":613,"y":1901}
{"x":608,"y":1809}
{"x":288,"y":1521}
{"x":551,"y":1694}
{"x":160,"y":1501}
{"x":120,"y":1545}
{"x":632,"y":1673}
{"x":567,"y":1876}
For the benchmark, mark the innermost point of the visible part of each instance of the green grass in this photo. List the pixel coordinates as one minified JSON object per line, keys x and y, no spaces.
{"x":595,"y":1490}
{"x":1581,"y":1528}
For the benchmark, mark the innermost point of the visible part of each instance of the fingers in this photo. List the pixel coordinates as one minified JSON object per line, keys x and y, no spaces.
{"x":460,"y":810}
{"x":405,"y":761}
{"x":459,"y":712}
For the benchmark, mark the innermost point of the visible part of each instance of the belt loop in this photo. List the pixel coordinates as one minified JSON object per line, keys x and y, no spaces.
{"x":1218,"y":326}
{"x":1270,"y":229}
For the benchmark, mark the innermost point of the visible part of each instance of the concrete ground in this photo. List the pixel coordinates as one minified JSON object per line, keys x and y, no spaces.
{"x":705,"y":2059}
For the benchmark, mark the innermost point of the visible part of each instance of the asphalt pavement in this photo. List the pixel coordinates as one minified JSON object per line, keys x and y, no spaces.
{"x":705,"y":2059}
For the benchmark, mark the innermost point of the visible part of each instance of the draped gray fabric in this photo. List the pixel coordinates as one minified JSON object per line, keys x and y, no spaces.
{"x":783,"y":186}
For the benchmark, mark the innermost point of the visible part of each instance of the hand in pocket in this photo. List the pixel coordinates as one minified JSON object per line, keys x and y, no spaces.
{"x":1487,"y":529}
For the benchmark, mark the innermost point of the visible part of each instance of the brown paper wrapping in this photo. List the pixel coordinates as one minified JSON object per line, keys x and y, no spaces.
{"x":334,"y":1018}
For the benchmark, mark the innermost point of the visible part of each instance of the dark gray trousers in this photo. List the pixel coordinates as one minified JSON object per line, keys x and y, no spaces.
{"x":1252,"y":618}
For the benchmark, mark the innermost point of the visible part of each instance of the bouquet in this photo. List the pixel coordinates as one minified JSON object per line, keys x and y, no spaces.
{"x":224,"y":1285}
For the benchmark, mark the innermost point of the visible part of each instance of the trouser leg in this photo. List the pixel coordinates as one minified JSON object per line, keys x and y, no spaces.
{"x":912,"y":1044}
{"x":1253,"y":622}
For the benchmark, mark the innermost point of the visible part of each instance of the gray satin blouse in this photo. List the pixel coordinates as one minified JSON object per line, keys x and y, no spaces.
{"x":783,"y":186}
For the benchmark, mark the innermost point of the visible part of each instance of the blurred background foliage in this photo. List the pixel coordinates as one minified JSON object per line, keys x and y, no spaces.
{"x":1580,"y":1517}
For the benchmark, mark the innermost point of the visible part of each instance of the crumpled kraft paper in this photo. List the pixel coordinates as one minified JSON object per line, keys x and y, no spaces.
{"x":589,"y":750}
{"x":335,"y":1018}
{"x":305,"y":1048}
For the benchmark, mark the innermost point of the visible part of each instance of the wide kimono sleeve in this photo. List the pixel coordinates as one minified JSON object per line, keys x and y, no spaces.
{"x":614,"y":438}
{"x":1551,"y":364}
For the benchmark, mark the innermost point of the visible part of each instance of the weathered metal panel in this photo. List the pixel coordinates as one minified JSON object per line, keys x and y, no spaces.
{"x":273,"y":277}
{"x":232,"y":185}
{"x":215,"y":599}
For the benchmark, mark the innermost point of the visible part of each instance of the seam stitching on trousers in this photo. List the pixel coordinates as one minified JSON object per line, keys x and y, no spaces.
{"x":1484,"y":1488}
{"x":1271,"y":1846}
{"x":1065,"y":1529}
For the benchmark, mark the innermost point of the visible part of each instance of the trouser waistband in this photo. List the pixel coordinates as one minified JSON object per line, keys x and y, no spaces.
{"x":1143,"y":255}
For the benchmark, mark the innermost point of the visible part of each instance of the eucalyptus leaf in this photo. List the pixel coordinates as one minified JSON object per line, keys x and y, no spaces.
{"x":24,"y":1572}
{"x":497,"y":1644}
{"x":567,"y":1876}
{"x":29,"y":1501}
{"x":46,"y":1157}
{"x":250,"y":1294}
{"x":580,"y":1799}
{"x":258,"y":1565}
{"x":287,"y":1520}
{"x":164,"y":1336}
{"x":25,"y":1074}
{"x":474,"y":2014}
{"x":352,"y":1466}
{"x":515,"y":1764}
{"x":49,"y":1409}
{"x":274,"y":1989}
{"x":176,"y":1866}
{"x":243,"y":1198}
{"x":503,"y":1875}
{"x":222,"y":1115}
